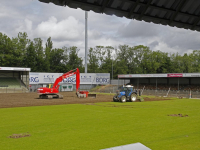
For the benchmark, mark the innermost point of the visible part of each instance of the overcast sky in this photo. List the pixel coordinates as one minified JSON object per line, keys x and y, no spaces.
{"x":66,"y":27}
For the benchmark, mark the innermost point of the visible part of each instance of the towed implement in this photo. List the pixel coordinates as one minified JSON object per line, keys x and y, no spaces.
{"x":49,"y":93}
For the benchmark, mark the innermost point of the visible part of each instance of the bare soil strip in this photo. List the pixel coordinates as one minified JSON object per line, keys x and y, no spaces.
{"x":9,"y":100}
{"x":16,"y":136}
{"x":178,"y":115}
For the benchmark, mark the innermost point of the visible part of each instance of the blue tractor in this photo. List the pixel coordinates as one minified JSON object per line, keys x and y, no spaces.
{"x":127,"y":93}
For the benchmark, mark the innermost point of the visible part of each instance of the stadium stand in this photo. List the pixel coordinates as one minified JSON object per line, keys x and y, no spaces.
{"x":173,"y":87}
{"x":13,"y":79}
{"x":9,"y":82}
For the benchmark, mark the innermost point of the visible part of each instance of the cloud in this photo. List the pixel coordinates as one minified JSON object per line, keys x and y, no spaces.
{"x":153,"y":44}
{"x":184,"y":39}
{"x":67,"y":29}
{"x":137,"y":29}
{"x":28,"y":24}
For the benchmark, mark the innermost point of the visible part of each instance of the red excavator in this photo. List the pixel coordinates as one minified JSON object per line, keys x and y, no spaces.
{"x":50,"y":93}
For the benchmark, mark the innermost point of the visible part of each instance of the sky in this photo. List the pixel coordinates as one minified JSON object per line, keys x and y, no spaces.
{"x":66,"y":27}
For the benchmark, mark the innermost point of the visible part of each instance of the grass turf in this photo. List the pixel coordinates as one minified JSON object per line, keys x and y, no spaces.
{"x":103,"y":125}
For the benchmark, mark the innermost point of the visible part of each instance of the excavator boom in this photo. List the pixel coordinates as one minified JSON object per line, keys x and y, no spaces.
{"x":66,"y":75}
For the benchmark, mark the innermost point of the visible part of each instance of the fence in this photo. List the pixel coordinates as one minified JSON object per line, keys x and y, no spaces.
{"x":13,"y":90}
{"x":105,"y":89}
{"x":187,"y":94}
{"x":163,"y":93}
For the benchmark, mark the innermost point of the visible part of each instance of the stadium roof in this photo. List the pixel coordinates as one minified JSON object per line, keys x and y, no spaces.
{"x":14,"y":69}
{"x":163,"y":75}
{"x":179,"y":13}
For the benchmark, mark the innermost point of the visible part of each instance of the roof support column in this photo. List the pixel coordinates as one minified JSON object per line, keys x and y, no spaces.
{"x":118,"y":83}
{"x":178,"y":84}
{"x":156,"y":84}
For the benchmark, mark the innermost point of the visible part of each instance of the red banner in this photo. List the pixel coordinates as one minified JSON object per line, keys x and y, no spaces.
{"x":175,"y":75}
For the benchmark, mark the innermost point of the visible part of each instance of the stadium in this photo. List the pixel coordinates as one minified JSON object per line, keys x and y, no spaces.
{"x":21,"y":80}
{"x":163,"y":115}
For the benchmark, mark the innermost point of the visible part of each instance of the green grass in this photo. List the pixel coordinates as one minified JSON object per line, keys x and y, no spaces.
{"x":103,"y":125}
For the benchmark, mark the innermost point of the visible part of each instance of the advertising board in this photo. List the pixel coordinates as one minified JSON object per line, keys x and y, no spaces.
{"x":191,"y":75}
{"x":141,"y":75}
{"x":175,"y":75}
{"x":85,"y":78}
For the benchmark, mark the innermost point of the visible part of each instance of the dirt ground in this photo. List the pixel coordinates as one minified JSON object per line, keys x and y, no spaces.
{"x":8,"y":100}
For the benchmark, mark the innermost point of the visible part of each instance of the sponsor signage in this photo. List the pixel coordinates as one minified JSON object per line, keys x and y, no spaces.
{"x":191,"y":75}
{"x":175,"y":75}
{"x":85,"y":78}
{"x":37,"y":78}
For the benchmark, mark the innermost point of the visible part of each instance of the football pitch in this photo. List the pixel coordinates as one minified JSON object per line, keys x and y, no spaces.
{"x":171,"y":124}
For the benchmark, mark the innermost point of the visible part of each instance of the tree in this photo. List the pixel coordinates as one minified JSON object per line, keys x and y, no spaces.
{"x":177,"y":62}
{"x":120,"y":67}
{"x":56,"y":60}
{"x":49,"y":46}
{"x":93,"y":61}
{"x":39,"y":56}
{"x":30,"y":59}
{"x":195,"y":61}
{"x":107,"y":63}
{"x":6,"y":51}
{"x":74,"y":60}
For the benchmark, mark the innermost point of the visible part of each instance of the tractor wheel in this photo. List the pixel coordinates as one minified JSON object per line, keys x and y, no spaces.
{"x":133,"y":97}
{"x":123,"y":99}
{"x":115,"y":98}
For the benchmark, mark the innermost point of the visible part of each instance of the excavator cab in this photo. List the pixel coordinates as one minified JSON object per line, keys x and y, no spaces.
{"x":49,"y":85}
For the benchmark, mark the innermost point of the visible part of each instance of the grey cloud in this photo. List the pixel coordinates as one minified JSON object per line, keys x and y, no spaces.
{"x":185,"y":39}
{"x":153,"y":44}
{"x":137,"y":29}
{"x":29,"y":15}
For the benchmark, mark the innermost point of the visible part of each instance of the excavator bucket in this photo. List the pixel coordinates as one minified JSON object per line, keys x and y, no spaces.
{"x":92,"y":95}
{"x":85,"y":94}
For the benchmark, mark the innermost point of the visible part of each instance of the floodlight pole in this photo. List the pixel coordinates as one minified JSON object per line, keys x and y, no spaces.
{"x":112,"y":69}
{"x":86,"y":40}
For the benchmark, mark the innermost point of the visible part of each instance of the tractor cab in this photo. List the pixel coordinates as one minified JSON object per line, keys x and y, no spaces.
{"x":126,"y":93}
{"x":126,"y":89}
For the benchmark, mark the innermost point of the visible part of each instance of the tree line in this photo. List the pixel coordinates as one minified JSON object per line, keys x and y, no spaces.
{"x":23,"y":52}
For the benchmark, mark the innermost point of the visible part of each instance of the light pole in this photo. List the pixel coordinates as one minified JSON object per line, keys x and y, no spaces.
{"x":112,"y":69}
{"x":86,"y":40}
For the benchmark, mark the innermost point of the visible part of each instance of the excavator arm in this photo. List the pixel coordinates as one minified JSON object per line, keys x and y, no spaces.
{"x":66,"y":75}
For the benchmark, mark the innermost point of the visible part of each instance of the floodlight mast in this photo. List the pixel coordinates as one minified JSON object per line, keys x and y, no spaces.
{"x":86,"y":40}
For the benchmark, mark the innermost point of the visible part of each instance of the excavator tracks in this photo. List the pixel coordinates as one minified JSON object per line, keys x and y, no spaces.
{"x":51,"y":96}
